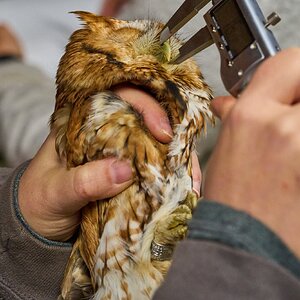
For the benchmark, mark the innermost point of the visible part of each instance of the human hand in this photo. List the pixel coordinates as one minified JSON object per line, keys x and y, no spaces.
{"x":255,"y":166}
{"x":51,"y":197}
{"x":9,"y":43}
{"x":110,"y":8}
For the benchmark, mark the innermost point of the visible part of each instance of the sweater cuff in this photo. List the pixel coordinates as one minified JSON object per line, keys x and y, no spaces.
{"x":21,"y":218}
{"x":220,"y":223}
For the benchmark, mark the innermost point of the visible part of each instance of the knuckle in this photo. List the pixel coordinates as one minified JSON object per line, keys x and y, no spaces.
{"x":284,"y":138}
{"x":282,"y":129}
{"x":81,"y":183}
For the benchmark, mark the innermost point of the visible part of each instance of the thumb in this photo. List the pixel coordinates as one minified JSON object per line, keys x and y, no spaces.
{"x":96,"y":180}
{"x":68,"y":190}
{"x":221,"y":106}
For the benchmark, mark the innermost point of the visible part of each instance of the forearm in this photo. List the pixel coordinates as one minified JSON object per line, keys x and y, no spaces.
{"x":26,"y":102}
{"x":228,"y":255}
{"x":208,"y":270}
{"x":216,"y":222}
{"x":31,"y":267}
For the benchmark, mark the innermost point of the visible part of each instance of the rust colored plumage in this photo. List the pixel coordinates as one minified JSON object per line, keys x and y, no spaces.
{"x":111,"y":258}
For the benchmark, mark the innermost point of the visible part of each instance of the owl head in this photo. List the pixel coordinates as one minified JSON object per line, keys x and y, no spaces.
{"x":107,"y":52}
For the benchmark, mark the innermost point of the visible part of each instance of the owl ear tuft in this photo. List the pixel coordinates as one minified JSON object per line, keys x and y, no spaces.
{"x":91,"y":20}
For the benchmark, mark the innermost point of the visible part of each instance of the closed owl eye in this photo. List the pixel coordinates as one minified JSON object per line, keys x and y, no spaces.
{"x":111,"y":58}
{"x":90,"y":49}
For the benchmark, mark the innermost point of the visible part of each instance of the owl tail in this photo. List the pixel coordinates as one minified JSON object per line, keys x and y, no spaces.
{"x":77,"y":281}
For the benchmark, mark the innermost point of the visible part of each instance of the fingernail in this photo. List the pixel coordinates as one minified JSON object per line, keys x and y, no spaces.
{"x":121,"y":171}
{"x":166,"y":127}
{"x":196,"y":188}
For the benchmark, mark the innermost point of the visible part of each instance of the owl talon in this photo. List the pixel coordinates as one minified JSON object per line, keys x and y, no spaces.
{"x":182,"y":218}
{"x":182,"y":209}
{"x":191,"y":200}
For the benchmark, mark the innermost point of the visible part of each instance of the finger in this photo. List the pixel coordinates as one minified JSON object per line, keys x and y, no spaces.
{"x":277,"y":79}
{"x":155,"y":117}
{"x":221,"y":106}
{"x":196,"y":174}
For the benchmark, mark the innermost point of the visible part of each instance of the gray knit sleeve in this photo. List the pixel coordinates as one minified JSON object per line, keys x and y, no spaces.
{"x":31,"y":266}
{"x":4,"y":174}
{"x":216,"y":222}
{"x":27,"y":100}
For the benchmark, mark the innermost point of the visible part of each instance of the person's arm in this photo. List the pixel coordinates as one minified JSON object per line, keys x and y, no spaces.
{"x":244,"y":244}
{"x":27,"y":98}
{"x":31,"y":267}
{"x":40,"y":207}
{"x":4,"y":174}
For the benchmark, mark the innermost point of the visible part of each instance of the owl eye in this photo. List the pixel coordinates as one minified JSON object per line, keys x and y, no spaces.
{"x":90,"y":49}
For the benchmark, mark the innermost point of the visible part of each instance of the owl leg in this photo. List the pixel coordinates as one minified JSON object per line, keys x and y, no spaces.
{"x":169,"y":231}
{"x":77,"y":282}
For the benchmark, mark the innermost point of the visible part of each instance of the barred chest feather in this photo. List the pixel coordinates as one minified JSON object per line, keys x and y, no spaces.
{"x":112,"y":257}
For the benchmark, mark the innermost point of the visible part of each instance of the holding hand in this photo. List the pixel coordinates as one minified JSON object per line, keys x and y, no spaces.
{"x":51,"y":197}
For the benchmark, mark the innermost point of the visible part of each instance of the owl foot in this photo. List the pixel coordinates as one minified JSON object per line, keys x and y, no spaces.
{"x":172,"y":229}
{"x":168,"y":232}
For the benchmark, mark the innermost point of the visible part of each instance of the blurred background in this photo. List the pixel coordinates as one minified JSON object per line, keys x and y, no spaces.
{"x":42,"y":28}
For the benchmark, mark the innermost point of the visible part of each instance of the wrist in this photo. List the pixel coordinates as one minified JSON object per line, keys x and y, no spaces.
{"x":38,"y":235}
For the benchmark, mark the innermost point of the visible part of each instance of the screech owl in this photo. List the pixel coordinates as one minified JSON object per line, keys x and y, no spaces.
{"x":115,"y":254}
